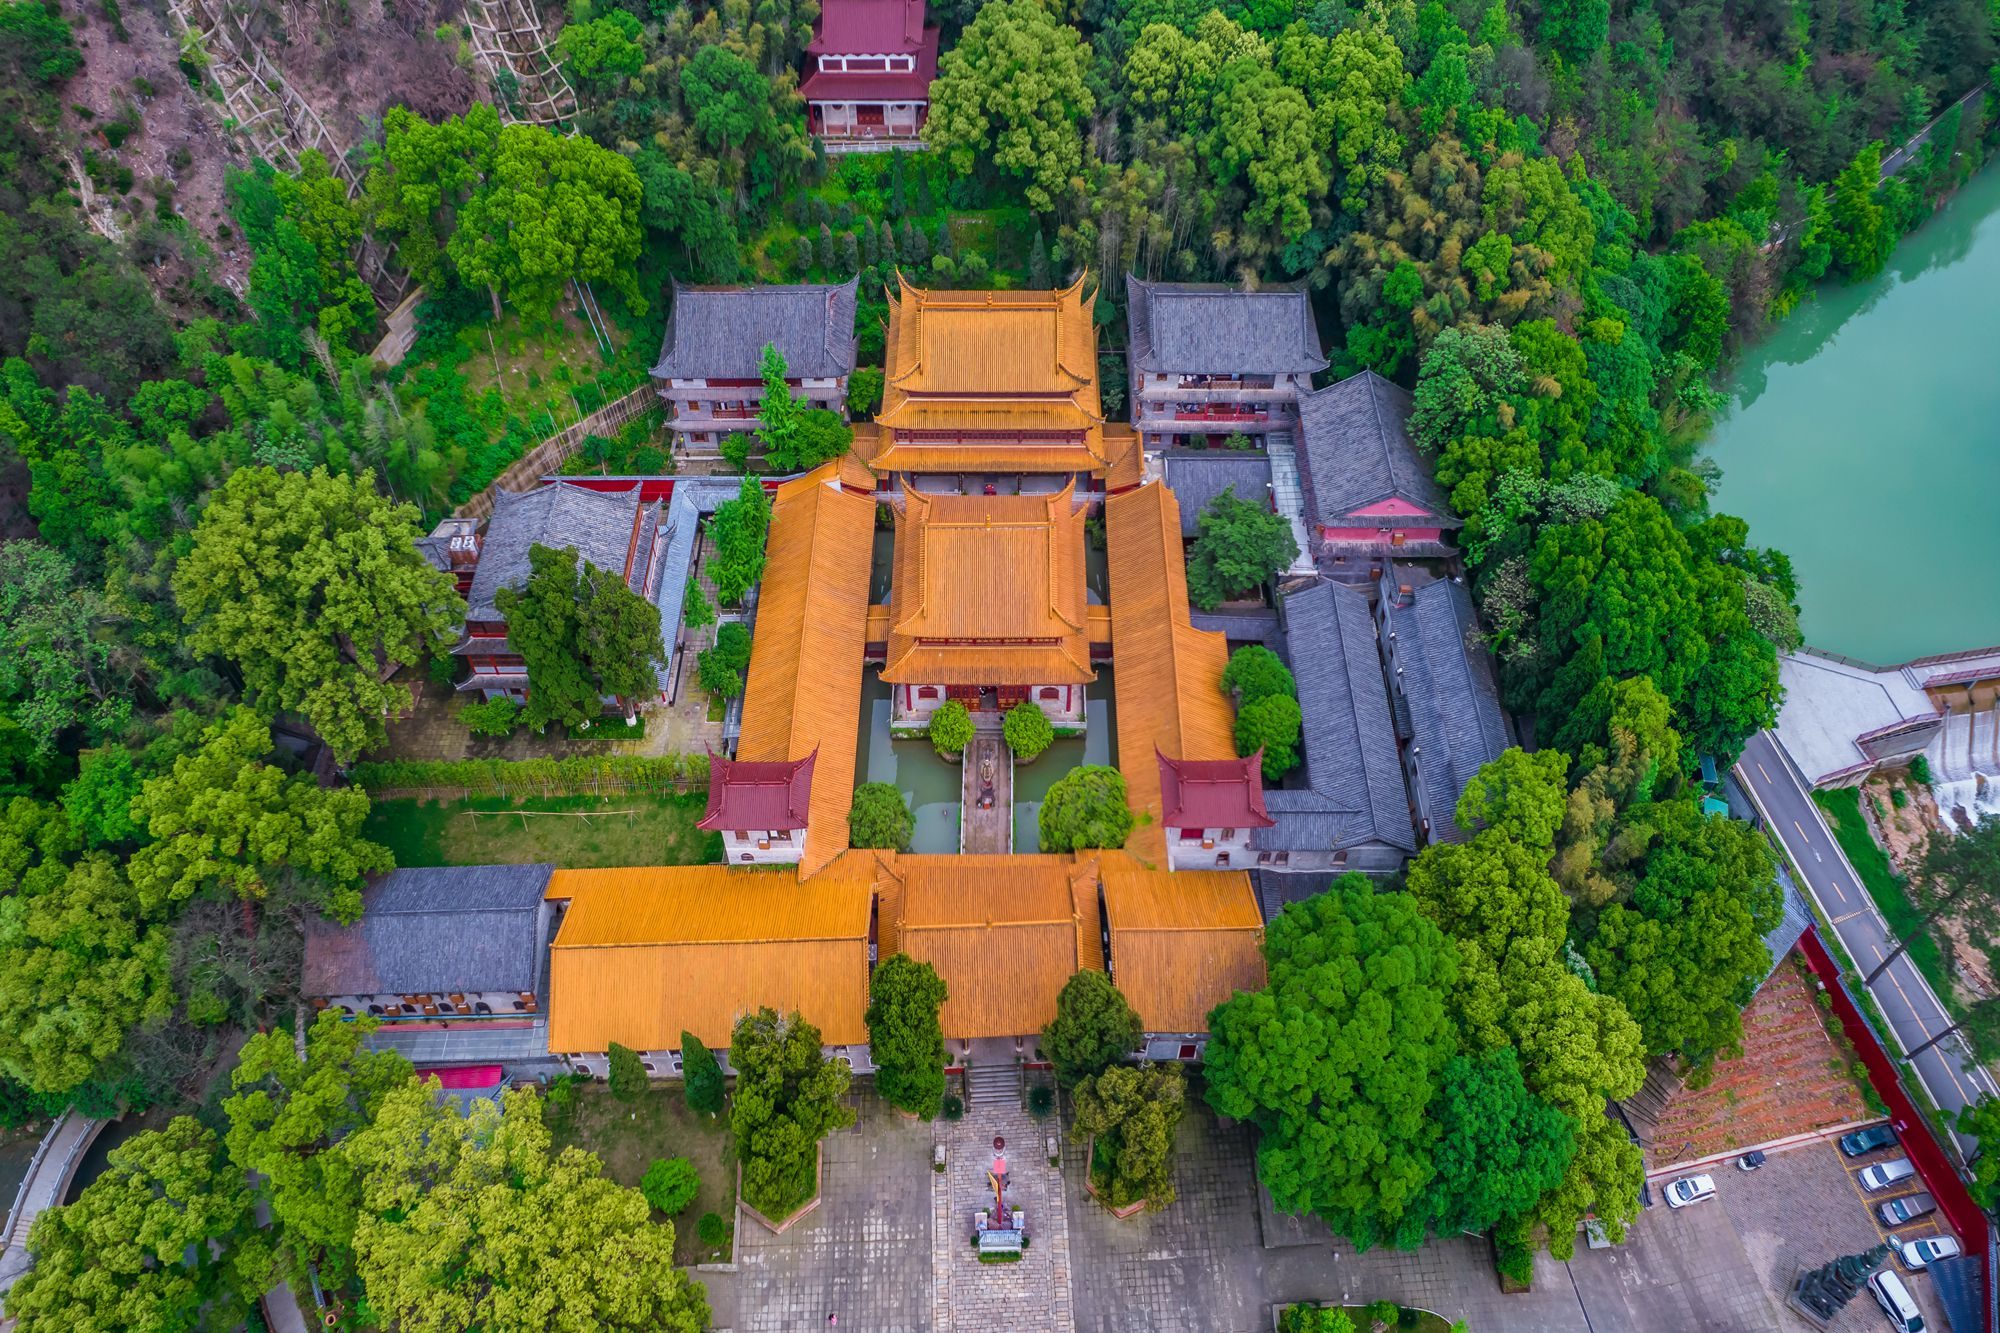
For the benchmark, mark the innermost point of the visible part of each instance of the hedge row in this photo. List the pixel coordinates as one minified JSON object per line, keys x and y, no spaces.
{"x":537,"y":777}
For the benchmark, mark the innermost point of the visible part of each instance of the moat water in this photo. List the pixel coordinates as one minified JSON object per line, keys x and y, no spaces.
{"x":1863,"y":439}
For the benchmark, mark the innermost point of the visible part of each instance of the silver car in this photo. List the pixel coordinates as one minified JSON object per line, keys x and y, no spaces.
{"x":1922,"y":1253}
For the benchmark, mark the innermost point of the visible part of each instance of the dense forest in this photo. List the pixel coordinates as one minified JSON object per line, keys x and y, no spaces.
{"x":1554,"y":220}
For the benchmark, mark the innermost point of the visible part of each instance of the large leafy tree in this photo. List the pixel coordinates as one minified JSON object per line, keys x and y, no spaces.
{"x":880,"y":817}
{"x":904,"y":1039}
{"x":1239,"y":546}
{"x":286,"y":1115}
{"x":475,"y":1221}
{"x":1085,"y":808}
{"x":1133,"y":1113}
{"x":1015,"y":91}
{"x":583,"y":634}
{"x":164,"y":1240}
{"x":1500,"y":1148}
{"x":787,"y":1099}
{"x":1094,"y":1028}
{"x":428,"y":172}
{"x":222,"y":817}
{"x":56,"y":666}
{"x":311,"y":584}
{"x":1339,"y":1057}
{"x":552,"y":208}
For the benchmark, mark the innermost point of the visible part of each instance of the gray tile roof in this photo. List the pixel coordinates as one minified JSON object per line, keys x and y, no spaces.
{"x":1354,"y":791}
{"x":432,"y":931}
{"x":1198,"y":476}
{"x":598,"y":525}
{"x":1212,"y":329}
{"x":691,"y":499}
{"x":1358,"y":451}
{"x":721,"y":332}
{"x":1456,"y":724}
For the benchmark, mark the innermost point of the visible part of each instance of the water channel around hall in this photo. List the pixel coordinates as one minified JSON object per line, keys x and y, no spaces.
{"x":1863,"y":439}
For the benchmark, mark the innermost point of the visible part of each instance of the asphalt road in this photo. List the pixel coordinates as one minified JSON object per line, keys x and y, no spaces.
{"x":1905,"y":998}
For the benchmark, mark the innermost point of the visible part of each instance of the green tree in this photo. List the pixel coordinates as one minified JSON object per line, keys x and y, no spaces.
{"x":904,"y":1039}
{"x":583,"y":634}
{"x":1255,"y":672}
{"x":787,"y":1099}
{"x":1094,"y":1028}
{"x":670,"y":1185}
{"x":223,"y":817}
{"x":701,"y":1076}
{"x":164,"y":1240}
{"x":1240,"y":545}
{"x":56,"y":666}
{"x":551,"y":208}
{"x":603,"y":50}
{"x":1014,"y":91}
{"x":1272,"y":726}
{"x":950,"y":727}
{"x":880,"y":817}
{"x":1500,"y":1148}
{"x":1086,"y":807}
{"x":739,"y":528}
{"x":286,"y":1114}
{"x":1576,"y":28}
{"x":1982,"y":1121}
{"x":696,"y":609}
{"x":427,"y":174}
{"x":1521,"y":794}
{"x":1857,"y":225}
{"x":1027,"y":730}
{"x":1337,"y":1060}
{"x":99,"y":800}
{"x":1133,"y":1113}
{"x":626,"y":1073}
{"x":1465,"y":379}
{"x":311,"y":584}
{"x":476,"y":1221}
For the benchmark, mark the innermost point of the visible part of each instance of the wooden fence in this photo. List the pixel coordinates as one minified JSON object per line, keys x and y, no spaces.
{"x":552,"y":453}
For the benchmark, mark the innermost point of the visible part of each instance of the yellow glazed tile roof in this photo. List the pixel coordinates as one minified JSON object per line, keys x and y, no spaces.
{"x":803,"y":691}
{"x":647,"y":952}
{"x":988,"y":590}
{"x":1169,"y":677}
{"x":1182,"y":942}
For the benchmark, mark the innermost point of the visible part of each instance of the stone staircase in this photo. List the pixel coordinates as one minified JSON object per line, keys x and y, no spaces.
{"x":993,"y":1085}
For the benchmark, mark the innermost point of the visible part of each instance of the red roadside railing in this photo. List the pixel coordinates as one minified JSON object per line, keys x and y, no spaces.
{"x":1918,"y":1142}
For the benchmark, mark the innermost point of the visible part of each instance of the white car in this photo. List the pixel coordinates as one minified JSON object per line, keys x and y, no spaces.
{"x":1921,"y":1253}
{"x":1689,"y":1189}
{"x":1894,"y":1298}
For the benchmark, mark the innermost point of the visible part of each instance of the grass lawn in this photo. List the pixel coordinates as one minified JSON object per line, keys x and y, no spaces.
{"x":630,"y":830}
{"x":1850,"y":829}
{"x":630,"y":1136}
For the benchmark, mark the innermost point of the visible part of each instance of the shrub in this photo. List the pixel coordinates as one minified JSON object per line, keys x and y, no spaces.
{"x":495,"y":717}
{"x":1920,"y":770}
{"x":1898,"y":797}
{"x":1041,"y":1101}
{"x":701,"y":1076}
{"x":950,"y":727}
{"x":1383,"y":1312}
{"x":628,"y":1074}
{"x":720,"y":669}
{"x":1255,"y":672}
{"x":1028,"y":730}
{"x":1085,"y":808}
{"x":1238,"y":440}
{"x":880,"y":817}
{"x":953,"y":1107}
{"x":1271,"y":725}
{"x":696,"y":609}
{"x":712,"y":1230}
{"x":1094,"y":1028}
{"x":670,"y":1184}
{"x":864,"y":391}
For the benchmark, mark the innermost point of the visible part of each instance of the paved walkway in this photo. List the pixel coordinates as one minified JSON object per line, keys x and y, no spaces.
{"x":1032,"y":1295}
{"x":54,"y":1166}
{"x":1913,"y":1010}
{"x":986,"y":826}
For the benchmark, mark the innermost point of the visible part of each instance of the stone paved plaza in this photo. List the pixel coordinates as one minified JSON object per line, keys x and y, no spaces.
{"x":864,"y":1253}
{"x":1033,"y":1295}
{"x":889,"y":1249}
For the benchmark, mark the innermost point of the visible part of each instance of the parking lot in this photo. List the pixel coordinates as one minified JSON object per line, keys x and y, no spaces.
{"x":1804,"y":1207}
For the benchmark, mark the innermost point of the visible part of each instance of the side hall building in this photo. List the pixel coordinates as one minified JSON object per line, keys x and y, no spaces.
{"x":710,"y":369}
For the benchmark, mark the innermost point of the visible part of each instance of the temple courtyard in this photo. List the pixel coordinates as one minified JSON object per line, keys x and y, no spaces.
{"x":888,"y":1248}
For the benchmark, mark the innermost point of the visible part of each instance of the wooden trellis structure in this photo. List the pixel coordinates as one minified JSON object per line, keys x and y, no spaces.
{"x":507,"y":38}
{"x":280,"y":122}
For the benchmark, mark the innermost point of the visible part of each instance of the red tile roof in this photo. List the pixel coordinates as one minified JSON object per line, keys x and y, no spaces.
{"x":758,"y":795}
{"x":1213,"y":793}
{"x":872,"y":27}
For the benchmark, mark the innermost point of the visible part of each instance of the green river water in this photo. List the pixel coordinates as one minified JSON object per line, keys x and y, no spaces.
{"x":1864,"y":440}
